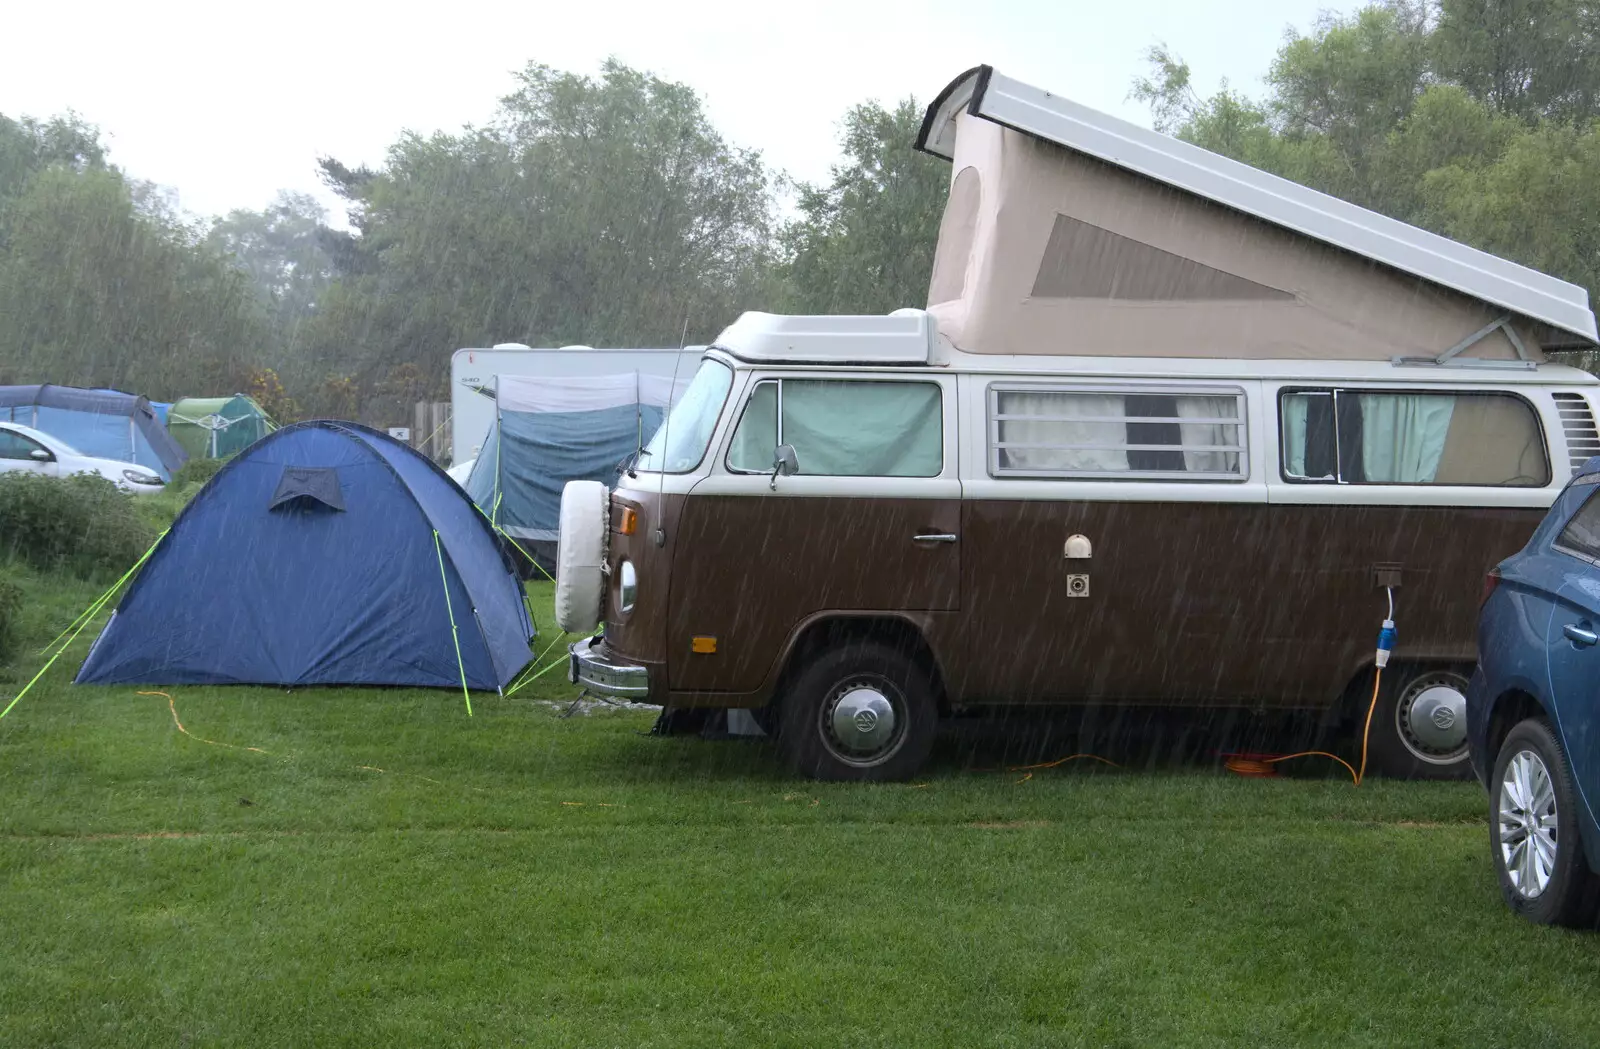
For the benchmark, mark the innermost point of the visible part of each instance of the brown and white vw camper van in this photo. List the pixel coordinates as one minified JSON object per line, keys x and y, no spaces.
{"x":1169,"y":432}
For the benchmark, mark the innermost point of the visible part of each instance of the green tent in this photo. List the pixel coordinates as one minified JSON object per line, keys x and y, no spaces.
{"x":217,"y":427}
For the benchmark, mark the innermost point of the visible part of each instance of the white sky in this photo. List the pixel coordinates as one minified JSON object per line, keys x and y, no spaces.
{"x":229,"y":102}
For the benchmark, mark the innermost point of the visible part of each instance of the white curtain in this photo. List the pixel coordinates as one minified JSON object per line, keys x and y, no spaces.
{"x":1200,"y":434}
{"x":1080,"y":446}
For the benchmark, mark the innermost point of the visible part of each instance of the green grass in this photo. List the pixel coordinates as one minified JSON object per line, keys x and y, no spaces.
{"x":391,"y":873}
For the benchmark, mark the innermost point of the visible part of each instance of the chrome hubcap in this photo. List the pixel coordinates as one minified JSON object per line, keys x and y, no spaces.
{"x":1431,"y":719}
{"x":1527,"y":819}
{"x":862,"y":722}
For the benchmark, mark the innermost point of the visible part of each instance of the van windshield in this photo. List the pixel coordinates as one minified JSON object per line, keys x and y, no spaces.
{"x":680,"y":443}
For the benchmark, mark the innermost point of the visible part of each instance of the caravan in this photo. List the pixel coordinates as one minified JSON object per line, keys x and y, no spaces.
{"x":1171,"y":431}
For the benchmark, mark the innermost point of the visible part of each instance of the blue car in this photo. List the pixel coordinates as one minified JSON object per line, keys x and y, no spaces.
{"x":1533,"y":712}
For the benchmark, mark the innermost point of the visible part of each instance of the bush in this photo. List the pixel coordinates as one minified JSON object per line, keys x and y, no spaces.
{"x":10,"y":609}
{"x":197,"y":471}
{"x":83,"y":524}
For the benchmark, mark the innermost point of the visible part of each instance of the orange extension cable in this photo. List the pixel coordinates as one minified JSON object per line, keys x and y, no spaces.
{"x":1263,"y":767}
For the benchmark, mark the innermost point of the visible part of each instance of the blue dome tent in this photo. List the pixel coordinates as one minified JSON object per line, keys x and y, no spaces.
{"x":325,"y":554}
{"x":107,"y":424}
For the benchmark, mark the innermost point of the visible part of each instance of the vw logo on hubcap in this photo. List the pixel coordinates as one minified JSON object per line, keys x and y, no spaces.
{"x":1444,"y":717}
{"x":866,"y":721}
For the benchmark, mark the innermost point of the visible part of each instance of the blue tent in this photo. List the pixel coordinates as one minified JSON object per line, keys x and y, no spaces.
{"x":551,"y":430}
{"x":107,"y":424}
{"x":325,"y":554}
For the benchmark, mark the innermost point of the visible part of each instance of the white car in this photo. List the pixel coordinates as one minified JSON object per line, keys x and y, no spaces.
{"x":26,"y":450}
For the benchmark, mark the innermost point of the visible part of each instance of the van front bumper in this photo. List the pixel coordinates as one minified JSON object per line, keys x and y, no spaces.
{"x":597,"y":669}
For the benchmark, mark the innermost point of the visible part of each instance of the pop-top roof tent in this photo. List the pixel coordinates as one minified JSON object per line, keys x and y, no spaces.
{"x":550,"y":430}
{"x":325,"y":554}
{"x":1071,"y":232}
{"x":217,"y":427}
{"x":107,"y":424}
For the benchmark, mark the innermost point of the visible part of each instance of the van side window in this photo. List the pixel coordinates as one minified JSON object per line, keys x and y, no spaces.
{"x":1582,"y":533}
{"x":843,"y":428}
{"x":1154,"y":433}
{"x":1334,"y":436}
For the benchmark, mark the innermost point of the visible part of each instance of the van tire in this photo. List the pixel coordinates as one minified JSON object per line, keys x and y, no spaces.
{"x":580,"y":555}
{"x":1572,"y":896}
{"x":853,"y":673}
{"x":1388,"y":752}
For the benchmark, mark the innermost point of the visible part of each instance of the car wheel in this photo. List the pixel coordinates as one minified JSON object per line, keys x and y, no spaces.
{"x":1534,"y":834}
{"x":861,"y":712}
{"x":1419,"y":730}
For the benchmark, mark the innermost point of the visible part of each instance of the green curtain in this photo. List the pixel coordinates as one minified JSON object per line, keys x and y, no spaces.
{"x":864,"y":429}
{"x":1402,"y":436}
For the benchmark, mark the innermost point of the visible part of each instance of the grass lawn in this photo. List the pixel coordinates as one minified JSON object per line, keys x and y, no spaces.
{"x":386,"y":872}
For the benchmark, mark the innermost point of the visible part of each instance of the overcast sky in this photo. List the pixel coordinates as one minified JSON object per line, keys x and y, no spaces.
{"x":229,"y":102}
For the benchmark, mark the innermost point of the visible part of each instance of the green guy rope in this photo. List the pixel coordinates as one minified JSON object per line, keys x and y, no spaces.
{"x":513,"y":542}
{"x":72,"y":632}
{"x":536,"y":661}
{"x":454,"y":634}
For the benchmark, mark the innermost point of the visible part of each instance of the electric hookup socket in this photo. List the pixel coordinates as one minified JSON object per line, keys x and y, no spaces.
{"x":1077,"y":586}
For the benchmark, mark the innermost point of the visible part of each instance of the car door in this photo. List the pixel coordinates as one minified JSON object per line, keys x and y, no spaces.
{"x":1572,"y":647}
{"x":18,"y":453}
{"x":869,"y":524}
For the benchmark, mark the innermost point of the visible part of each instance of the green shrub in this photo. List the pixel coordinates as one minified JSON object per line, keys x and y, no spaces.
{"x":10,"y":609}
{"x":82,"y":524}
{"x":197,"y":471}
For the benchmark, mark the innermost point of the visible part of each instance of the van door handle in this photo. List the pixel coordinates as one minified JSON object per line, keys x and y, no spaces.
{"x":939,"y":537}
{"x":1580,"y":636}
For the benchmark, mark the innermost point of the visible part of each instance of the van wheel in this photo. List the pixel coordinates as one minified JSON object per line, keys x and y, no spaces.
{"x":1533,"y":830}
{"x":859,"y":712}
{"x":1419,"y":729}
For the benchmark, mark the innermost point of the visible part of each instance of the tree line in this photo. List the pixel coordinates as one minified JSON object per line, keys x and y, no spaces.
{"x":608,"y":210}
{"x":601,"y":210}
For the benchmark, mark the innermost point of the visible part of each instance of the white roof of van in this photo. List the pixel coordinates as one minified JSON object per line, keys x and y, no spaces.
{"x":984,"y":93}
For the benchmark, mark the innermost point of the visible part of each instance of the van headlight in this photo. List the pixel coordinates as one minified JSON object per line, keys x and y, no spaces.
{"x":140,"y":477}
{"x":628,"y":587}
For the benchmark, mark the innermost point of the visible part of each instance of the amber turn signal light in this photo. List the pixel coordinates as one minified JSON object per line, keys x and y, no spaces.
{"x":703,"y":645}
{"x":629,"y":522}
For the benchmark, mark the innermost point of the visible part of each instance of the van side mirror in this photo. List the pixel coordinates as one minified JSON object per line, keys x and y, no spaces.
{"x":784,"y":463}
{"x":39,"y":455}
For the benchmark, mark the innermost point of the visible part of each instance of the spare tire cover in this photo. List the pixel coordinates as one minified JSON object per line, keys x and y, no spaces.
{"x":580,"y":555}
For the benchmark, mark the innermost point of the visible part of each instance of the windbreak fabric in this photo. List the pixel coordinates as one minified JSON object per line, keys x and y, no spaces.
{"x":539,"y":453}
{"x":552,"y":430}
{"x":106,"y":424}
{"x":238,"y":593}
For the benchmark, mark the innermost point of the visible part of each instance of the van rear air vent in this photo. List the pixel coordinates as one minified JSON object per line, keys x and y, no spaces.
{"x":1577,"y":423}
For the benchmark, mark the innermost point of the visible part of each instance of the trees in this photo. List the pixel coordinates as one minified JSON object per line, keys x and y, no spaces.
{"x":864,"y":242}
{"x":1472,"y":118}
{"x":99,"y":285}
{"x":600,"y":210}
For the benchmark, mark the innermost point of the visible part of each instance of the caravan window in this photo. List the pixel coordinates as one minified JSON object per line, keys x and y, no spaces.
{"x":843,"y":428}
{"x":1190,"y":434}
{"x":1331,"y":436}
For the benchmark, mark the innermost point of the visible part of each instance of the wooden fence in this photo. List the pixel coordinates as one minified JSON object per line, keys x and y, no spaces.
{"x":430,"y":430}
